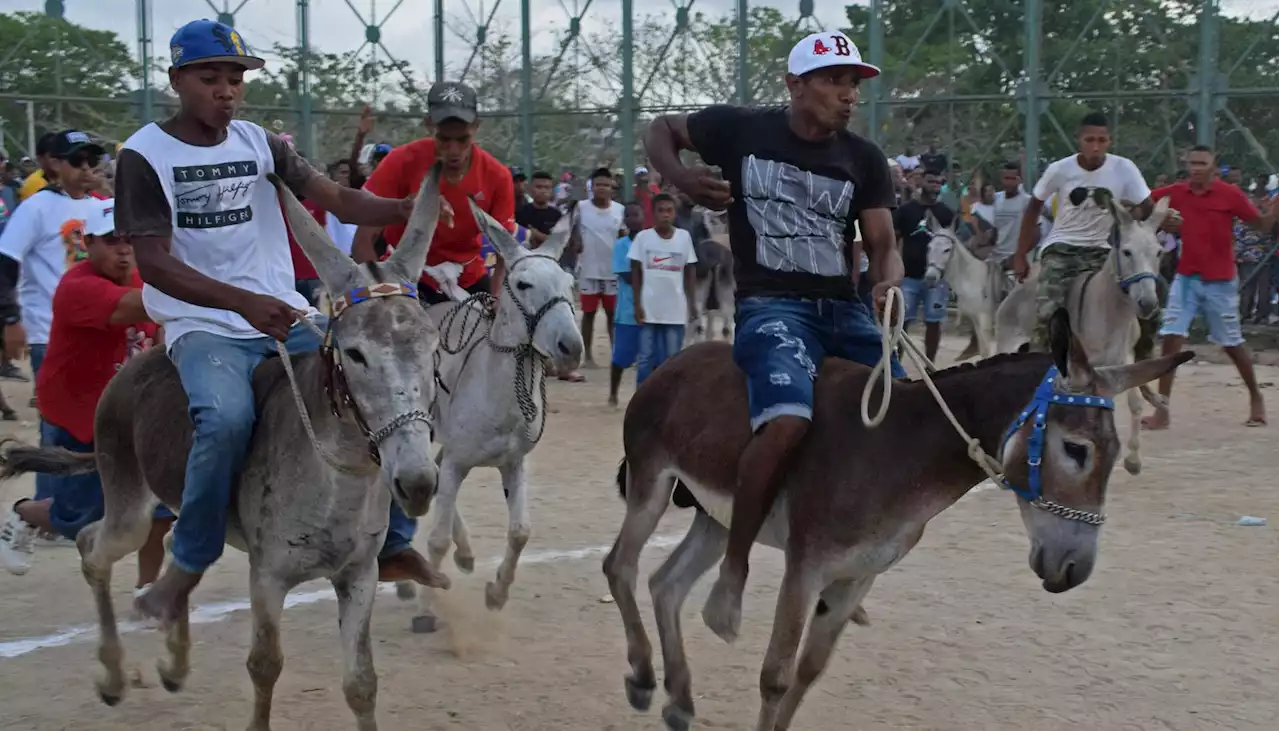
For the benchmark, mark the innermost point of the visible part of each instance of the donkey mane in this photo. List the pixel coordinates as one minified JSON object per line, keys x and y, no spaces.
{"x":994,"y":361}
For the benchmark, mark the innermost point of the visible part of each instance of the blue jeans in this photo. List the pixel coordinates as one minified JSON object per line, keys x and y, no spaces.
{"x":1219,"y":302}
{"x":37,"y":357}
{"x":626,"y":345}
{"x":781,"y":343}
{"x":216,"y":373}
{"x":915,"y":293}
{"x":657,"y":344}
{"x":77,"y":499}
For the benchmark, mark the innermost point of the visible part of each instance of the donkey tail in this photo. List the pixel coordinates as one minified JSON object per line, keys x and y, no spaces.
{"x":622,"y":478}
{"x":17,"y":458}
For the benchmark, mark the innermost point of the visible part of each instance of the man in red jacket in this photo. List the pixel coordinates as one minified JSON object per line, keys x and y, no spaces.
{"x":469,"y":172}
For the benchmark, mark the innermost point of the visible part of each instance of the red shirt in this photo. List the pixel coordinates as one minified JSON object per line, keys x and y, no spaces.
{"x":1208,"y":242}
{"x":85,"y":350}
{"x":302,"y":267}
{"x":487,"y":181}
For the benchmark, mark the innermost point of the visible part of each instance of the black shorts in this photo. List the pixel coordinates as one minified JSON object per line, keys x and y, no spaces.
{"x":429,"y":296}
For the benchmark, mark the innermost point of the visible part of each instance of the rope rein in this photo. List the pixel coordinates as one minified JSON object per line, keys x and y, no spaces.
{"x":893,"y":334}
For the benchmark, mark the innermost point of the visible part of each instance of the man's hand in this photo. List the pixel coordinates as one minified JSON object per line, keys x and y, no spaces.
{"x":365,"y":125}
{"x":705,"y":187}
{"x":406,"y":210}
{"x":15,"y":341}
{"x":693,"y":312}
{"x":639,"y":314}
{"x":1172,"y":222}
{"x":268,"y":316}
{"x":1021,"y":267}
{"x":880,"y":293}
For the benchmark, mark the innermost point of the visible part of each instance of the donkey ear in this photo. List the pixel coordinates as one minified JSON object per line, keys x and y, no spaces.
{"x":931,"y":222}
{"x":1068,"y":354}
{"x":1158,"y":215}
{"x":558,"y":238}
{"x":503,"y":241}
{"x":1113,"y":380}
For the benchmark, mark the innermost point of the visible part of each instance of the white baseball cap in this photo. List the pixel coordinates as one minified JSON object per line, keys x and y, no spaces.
{"x":102,"y":219}
{"x":824,"y":50}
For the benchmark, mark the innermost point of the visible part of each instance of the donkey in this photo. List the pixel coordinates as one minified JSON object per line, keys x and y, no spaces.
{"x":970,"y":278}
{"x":713,"y":277}
{"x":853,"y":504}
{"x":491,"y":408}
{"x":340,"y":432}
{"x":1104,"y":306}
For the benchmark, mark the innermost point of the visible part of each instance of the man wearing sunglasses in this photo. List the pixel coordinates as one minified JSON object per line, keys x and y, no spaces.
{"x":43,"y":239}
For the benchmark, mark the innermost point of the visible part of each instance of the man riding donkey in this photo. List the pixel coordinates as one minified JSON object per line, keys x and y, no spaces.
{"x":1079,"y":242}
{"x":797,"y":182}
{"x":210,"y":242}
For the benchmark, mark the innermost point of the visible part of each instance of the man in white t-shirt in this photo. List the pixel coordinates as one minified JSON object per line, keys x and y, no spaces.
{"x":1011,"y":202}
{"x":218,"y":277}
{"x":662,"y":260}
{"x":1078,"y":242}
{"x":599,"y":224}
{"x":44,"y":238}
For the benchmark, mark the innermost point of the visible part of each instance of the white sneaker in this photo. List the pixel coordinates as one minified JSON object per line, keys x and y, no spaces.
{"x":16,"y":544}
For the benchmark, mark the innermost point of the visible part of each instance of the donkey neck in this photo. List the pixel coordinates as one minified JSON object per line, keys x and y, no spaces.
{"x":340,"y":435}
{"x":963,"y":265}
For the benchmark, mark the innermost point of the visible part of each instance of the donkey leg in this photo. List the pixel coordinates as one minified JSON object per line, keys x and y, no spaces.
{"x":464,"y":557}
{"x":839,"y":602}
{"x":648,"y":494}
{"x":701,"y":549}
{"x":795,"y":601}
{"x":518,"y":529}
{"x":724,"y":293}
{"x":444,"y":508}
{"x":1133,"y":460}
{"x":356,"y":588}
{"x":266,"y":660}
{"x":174,"y":670}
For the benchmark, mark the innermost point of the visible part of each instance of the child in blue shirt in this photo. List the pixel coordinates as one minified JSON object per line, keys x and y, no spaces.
{"x":626,"y":333}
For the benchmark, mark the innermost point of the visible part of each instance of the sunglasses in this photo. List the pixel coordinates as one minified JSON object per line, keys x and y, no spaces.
{"x":80,"y":158}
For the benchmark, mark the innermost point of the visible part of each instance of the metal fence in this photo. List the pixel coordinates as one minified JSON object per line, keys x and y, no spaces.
{"x":569,"y":84}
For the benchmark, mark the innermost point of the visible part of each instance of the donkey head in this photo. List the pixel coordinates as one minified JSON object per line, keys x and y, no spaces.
{"x":942,"y":246}
{"x":537,"y":293}
{"x":1077,"y":451}
{"x":1136,"y":260}
{"x":384,"y":344}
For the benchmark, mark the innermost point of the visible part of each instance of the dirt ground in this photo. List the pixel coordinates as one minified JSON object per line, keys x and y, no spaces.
{"x":1176,"y":630}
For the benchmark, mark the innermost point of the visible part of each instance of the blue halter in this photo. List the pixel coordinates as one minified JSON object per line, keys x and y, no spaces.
{"x":1035,"y":413}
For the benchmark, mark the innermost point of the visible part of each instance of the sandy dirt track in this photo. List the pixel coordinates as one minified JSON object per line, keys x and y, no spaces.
{"x":1177,"y":629}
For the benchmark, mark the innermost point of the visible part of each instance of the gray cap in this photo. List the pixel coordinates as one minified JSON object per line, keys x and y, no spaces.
{"x":451,"y":100}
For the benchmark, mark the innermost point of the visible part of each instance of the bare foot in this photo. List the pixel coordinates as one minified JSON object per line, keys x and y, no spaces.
{"x":613,"y":400}
{"x":167,"y":599}
{"x":409,"y":565}
{"x":573,"y":377}
{"x":1158,"y":421}
{"x":1257,"y":411}
{"x":723,"y":611}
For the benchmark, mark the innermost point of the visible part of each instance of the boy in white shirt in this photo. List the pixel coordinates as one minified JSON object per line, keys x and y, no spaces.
{"x":1078,"y":243}
{"x":599,"y":225}
{"x":662,"y":260}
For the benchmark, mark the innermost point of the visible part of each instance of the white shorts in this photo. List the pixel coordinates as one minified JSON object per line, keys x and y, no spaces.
{"x":606,"y":287}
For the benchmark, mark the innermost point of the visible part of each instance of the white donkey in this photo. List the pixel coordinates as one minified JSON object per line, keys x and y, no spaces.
{"x":713,"y":272}
{"x":975,"y":282}
{"x":1104,"y":306}
{"x":491,"y":400}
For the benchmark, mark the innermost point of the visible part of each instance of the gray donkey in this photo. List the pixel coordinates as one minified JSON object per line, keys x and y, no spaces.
{"x":339,"y":433}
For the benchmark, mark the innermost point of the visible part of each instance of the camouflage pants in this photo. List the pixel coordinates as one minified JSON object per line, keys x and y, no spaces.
{"x":1059,"y":266}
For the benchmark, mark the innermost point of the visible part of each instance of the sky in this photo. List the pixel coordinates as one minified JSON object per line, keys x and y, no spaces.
{"x":407,"y":34}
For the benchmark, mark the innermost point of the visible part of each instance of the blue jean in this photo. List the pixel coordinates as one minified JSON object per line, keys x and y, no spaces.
{"x":781,"y":343}
{"x":1219,"y":302}
{"x":915,"y":293}
{"x":626,"y":345}
{"x":216,"y":373}
{"x":77,"y":499}
{"x":37,"y":357}
{"x":657,"y":344}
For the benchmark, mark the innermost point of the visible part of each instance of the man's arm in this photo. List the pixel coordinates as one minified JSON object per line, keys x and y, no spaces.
{"x":1029,"y":227}
{"x":350,"y":205}
{"x":690,"y":292}
{"x":98,"y":303}
{"x":637,"y":286}
{"x":16,"y":240}
{"x":886,"y":269}
{"x":711,"y":134}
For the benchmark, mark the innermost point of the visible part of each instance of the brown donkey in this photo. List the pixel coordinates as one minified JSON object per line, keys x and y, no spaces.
{"x":856,"y":499}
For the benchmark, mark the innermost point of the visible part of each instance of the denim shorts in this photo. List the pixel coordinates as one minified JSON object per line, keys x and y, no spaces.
{"x":626,"y":344}
{"x":1219,"y":302}
{"x":934,"y":299}
{"x":780,"y":344}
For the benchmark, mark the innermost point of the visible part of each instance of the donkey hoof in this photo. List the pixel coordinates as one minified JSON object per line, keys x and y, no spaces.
{"x":1132,"y":465}
{"x":423,"y":624}
{"x":406,"y":591}
{"x":465,"y":564}
{"x":495,"y":596}
{"x":639,"y":696}
{"x":171,"y":681}
{"x":676,"y":718}
{"x":110,"y":694}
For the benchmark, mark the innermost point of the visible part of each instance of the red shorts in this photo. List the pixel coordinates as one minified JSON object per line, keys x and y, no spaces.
{"x":592,"y":302}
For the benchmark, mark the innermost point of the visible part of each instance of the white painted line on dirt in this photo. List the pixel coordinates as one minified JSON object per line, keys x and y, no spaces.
{"x":218,"y":611}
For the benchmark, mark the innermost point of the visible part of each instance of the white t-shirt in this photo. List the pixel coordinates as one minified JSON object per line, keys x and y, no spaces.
{"x":45,"y":235}
{"x":227,"y":225}
{"x":1087,"y":224}
{"x":343,"y":234}
{"x":599,"y":228}
{"x":663,"y":262}
{"x":908,"y":162}
{"x":1008,"y":221}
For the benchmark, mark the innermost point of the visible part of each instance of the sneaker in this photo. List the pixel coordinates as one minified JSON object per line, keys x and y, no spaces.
{"x":16,"y":544}
{"x":11,"y":372}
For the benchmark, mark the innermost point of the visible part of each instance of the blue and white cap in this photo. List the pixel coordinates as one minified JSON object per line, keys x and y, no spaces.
{"x":208,"y":41}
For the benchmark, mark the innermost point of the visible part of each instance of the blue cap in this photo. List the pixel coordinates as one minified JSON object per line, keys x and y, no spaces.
{"x":207,"y":41}
{"x":381,"y":148}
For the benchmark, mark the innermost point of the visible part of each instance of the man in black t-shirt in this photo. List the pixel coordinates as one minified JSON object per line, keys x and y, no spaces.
{"x":538,"y":215}
{"x":909,"y":223}
{"x":796,"y":182}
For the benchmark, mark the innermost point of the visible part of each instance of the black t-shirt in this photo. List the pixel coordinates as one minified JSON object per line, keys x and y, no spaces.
{"x":791,"y":224}
{"x":908,"y":221}
{"x":538,"y":219}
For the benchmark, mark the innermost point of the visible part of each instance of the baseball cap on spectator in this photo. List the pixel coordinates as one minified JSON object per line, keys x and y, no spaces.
{"x":208,"y":41}
{"x":642,"y":170}
{"x":70,"y":141}
{"x":451,"y":100}
{"x":380,"y":151}
{"x":825,"y":50}
{"x":44,"y":145}
{"x":101,"y":221}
